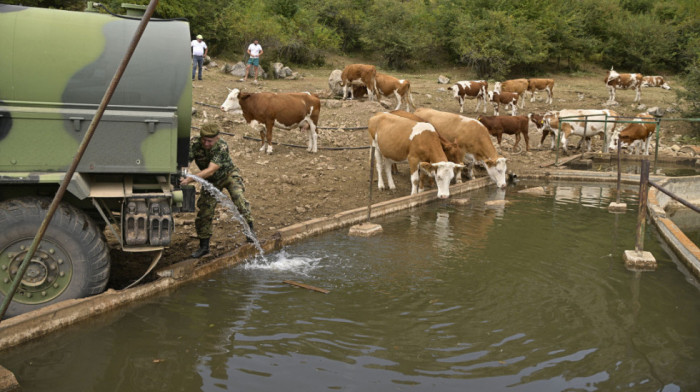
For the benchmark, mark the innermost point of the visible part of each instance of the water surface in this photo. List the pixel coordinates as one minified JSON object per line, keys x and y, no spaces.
{"x":532,"y":296}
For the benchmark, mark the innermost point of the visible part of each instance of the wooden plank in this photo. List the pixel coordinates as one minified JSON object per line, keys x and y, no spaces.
{"x":306,"y":286}
{"x":563,"y":161}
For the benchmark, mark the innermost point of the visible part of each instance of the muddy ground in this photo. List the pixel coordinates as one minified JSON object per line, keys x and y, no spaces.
{"x":292,"y":185}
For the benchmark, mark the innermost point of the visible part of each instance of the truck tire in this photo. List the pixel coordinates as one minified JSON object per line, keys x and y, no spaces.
{"x":72,"y":260}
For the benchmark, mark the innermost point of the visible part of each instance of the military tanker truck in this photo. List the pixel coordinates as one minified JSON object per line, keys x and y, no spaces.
{"x":55,"y":67}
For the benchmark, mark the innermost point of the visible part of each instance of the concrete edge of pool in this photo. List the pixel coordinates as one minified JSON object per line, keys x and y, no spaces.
{"x":28,"y":326}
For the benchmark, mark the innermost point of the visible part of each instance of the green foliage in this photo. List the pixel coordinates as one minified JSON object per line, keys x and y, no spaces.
{"x":692,"y":94}
{"x":496,"y":38}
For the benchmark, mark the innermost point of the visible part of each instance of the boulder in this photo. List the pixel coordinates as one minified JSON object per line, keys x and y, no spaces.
{"x":442,"y":79}
{"x":238,"y":70}
{"x":334,"y":83}
{"x":277,"y":70}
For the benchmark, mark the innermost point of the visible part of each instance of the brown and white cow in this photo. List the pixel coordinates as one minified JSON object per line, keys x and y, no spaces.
{"x":547,"y":85}
{"x":636,"y":135}
{"x":541,"y":126}
{"x":513,"y":86}
{"x":505,"y":98}
{"x":655,"y":81}
{"x":263,"y":111}
{"x":625,"y":81}
{"x":452,"y":150}
{"x":582,"y":122}
{"x":473,"y":137}
{"x":399,"y":139}
{"x":401,"y":89}
{"x":471,"y":89}
{"x":511,"y":125}
{"x":359,"y":74}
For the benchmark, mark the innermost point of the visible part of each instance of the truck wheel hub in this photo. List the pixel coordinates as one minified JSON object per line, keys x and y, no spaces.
{"x":48,"y":273}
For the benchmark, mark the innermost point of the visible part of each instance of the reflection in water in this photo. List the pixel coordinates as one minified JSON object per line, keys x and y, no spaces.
{"x":532,"y":296}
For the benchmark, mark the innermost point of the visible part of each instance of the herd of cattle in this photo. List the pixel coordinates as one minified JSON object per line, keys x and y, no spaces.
{"x":436,"y":144}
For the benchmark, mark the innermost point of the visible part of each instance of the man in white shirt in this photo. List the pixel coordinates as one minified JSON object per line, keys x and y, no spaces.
{"x":254,"y":50}
{"x":199,"y":50}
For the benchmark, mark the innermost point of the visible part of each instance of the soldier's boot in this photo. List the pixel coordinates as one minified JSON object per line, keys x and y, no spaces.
{"x":203,"y":248}
{"x":249,"y":238}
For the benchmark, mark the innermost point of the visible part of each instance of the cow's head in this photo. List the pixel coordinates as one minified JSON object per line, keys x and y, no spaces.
{"x":231,"y":101}
{"x":537,"y":119}
{"x":496,"y":88}
{"x":497,"y":171}
{"x":443,"y":173}
{"x":492,"y":94}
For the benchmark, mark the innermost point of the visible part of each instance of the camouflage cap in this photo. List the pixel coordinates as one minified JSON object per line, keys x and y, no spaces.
{"x":209,"y":130}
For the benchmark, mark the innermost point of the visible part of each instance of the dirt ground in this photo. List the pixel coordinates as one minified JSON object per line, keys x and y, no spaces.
{"x":292,"y":185}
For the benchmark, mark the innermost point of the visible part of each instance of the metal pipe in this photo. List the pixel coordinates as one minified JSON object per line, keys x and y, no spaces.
{"x":642,"y":215}
{"x":656,"y":148}
{"x":675,"y":197}
{"x":78,"y":156}
{"x":371,"y":181}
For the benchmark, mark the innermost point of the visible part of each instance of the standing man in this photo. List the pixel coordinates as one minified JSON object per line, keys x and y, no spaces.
{"x":254,"y":50}
{"x":211,"y":155}
{"x":199,"y":50}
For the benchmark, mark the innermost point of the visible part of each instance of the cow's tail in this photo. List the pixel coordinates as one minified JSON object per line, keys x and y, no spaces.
{"x":374,"y":87}
{"x":409,"y":97}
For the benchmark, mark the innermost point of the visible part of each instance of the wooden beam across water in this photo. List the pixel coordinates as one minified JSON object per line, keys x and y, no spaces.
{"x":306,"y":286}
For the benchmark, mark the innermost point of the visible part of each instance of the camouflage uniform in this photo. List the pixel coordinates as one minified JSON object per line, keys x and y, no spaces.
{"x":226,"y":177}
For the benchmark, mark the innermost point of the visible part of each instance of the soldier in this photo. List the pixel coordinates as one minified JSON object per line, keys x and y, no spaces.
{"x":210,"y":153}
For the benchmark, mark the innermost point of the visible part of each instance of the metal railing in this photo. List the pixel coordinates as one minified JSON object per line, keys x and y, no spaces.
{"x":617,"y":120}
{"x":644,"y":183}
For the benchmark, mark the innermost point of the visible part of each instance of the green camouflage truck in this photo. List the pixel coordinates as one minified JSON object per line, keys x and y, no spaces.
{"x":55,"y":67}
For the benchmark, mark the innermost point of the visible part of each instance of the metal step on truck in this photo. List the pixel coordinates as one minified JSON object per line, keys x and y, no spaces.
{"x":56,"y":66}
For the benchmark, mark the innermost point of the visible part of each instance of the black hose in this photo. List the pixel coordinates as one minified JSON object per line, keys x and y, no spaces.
{"x":320,"y":148}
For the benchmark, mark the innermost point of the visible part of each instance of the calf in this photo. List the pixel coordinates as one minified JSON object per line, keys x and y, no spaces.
{"x":637,"y":135}
{"x":263,"y":111}
{"x":399,"y":139}
{"x":513,"y":86}
{"x":473,"y":137}
{"x":624,"y":81}
{"x":541,"y":85}
{"x":508,"y":99}
{"x":655,"y":81}
{"x":359,"y":74}
{"x":600,"y":122}
{"x":511,"y":125}
{"x":401,"y":89}
{"x":471,"y":89}
{"x":538,"y":120}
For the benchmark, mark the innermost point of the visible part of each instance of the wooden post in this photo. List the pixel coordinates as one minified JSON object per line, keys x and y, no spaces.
{"x":619,"y":175}
{"x":371,"y":182}
{"x":642,"y":215}
{"x":368,"y":229}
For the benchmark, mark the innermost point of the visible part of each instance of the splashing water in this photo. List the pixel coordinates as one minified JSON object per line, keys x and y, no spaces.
{"x":284,"y":262}
{"x":228,"y":203}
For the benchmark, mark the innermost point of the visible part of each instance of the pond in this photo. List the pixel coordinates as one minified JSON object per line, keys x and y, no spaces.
{"x":533,"y":296}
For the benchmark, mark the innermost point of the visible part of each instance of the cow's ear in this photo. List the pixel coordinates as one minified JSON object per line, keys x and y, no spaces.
{"x":425,"y":166}
{"x":243,"y":96}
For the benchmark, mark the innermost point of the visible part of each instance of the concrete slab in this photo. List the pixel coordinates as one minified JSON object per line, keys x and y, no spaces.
{"x":8,"y":381}
{"x":535,"y":191}
{"x":365,"y":230}
{"x":617,"y":207}
{"x":636,"y":260}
